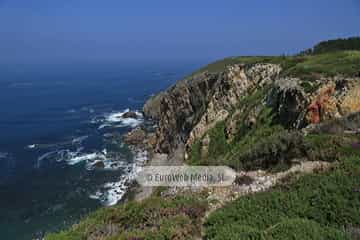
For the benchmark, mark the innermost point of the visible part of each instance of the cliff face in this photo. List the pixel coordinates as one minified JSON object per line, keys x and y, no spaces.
{"x":193,"y":106}
{"x":179,"y":108}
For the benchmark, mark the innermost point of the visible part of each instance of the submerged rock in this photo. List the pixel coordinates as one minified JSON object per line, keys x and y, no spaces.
{"x":99,"y":165}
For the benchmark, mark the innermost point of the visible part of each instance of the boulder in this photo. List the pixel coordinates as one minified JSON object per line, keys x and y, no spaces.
{"x":135,"y":137}
{"x":99,"y":164}
{"x":130,"y":114}
{"x":289,"y":101}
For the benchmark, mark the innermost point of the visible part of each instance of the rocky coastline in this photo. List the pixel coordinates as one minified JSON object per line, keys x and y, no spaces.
{"x":287,"y":125}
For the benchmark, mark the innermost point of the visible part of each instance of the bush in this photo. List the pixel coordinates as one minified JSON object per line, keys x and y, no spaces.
{"x":329,"y":199}
{"x":236,"y":232}
{"x":299,"y":229}
{"x":153,"y":218}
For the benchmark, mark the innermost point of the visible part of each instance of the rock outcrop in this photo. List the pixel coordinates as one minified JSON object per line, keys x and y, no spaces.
{"x":289,"y":100}
{"x":194,"y":105}
{"x":236,"y":82}
{"x":135,"y":137}
{"x":189,"y":109}
{"x":336,"y":98}
{"x":179,"y":108}
{"x":130,"y":114}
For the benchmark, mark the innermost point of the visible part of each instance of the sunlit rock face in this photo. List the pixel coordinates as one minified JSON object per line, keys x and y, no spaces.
{"x":192,"y":106}
{"x":189,"y":109}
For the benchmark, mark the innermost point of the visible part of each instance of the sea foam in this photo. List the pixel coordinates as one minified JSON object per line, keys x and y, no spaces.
{"x":118,"y":118}
{"x":112,"y":192}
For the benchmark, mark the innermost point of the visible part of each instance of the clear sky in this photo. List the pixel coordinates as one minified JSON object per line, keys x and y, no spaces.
{"x":106,"y":30}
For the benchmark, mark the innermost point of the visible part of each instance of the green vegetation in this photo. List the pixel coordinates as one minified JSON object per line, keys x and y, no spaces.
{"x":154,"y":218}
{"x":250,"y":141}
{"x":195,"y":153}
{"x":328,"y":64}
{"x":218,"y":146}
{"x":307,"y":66}
{"x":317,"y":206}
{"x":352,"y":43}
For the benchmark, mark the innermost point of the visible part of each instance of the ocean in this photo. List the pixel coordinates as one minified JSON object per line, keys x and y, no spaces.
{"x":61,"y":149}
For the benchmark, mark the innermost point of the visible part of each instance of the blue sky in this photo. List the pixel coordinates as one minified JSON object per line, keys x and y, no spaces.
{"x":87,"y":30}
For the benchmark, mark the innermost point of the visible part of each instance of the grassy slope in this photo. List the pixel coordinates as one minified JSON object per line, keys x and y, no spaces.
{"x":342,"y":62}
{"x":317,"y":206}
{"x":154,"y":218}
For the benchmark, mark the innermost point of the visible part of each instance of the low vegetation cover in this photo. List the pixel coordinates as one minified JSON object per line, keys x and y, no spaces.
{"x":317,"y":206}
{"x":305,"y":66}
{"x":335,"y":45}
{"x":152,"y":219}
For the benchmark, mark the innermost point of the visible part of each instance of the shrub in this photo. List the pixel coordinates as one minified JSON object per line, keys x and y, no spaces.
{"x":329,"y":199}
{"x":153,"y":218}
{"x":302,"y":229}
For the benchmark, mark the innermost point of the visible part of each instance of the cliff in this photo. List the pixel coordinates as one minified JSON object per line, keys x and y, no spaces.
{"x":290,"y":128}
{"x":294,"y":95}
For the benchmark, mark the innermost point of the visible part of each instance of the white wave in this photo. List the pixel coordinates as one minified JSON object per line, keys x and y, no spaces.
{"x":97,"y":195}
{"x":131,"y":122}
{"x":43,"y":157}
{"x":3,"y":155}
{"x":71,"y":157}
{"x":95,"y":120}
{"x":92,"y":160}
{"x":79,"y":140}
{"x":31,"y":146}
{"x":46,"y":155}
{"x":112,"y":192}
{"x":107,"y":163}
{"x":118,"y":118}
{"x":104,"y":126}
{"x":84,"y":157}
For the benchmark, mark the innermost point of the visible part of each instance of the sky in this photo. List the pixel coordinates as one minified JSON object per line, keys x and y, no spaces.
{"x":35,"y":31}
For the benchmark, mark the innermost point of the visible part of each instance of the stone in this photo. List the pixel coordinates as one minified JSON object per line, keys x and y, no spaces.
{"x":135,"y":137}
{"x":130,"y":114}
{"x":99,"y":164}
{"x":152,"y":106}
{"x":289,"y":100}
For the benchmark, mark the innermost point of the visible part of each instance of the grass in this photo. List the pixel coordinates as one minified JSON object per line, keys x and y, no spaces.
{"x":153,"y":218}
{"x":307,"y":67}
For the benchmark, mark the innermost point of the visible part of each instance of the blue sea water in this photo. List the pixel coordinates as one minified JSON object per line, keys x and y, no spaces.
{"x":56,"y":122}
